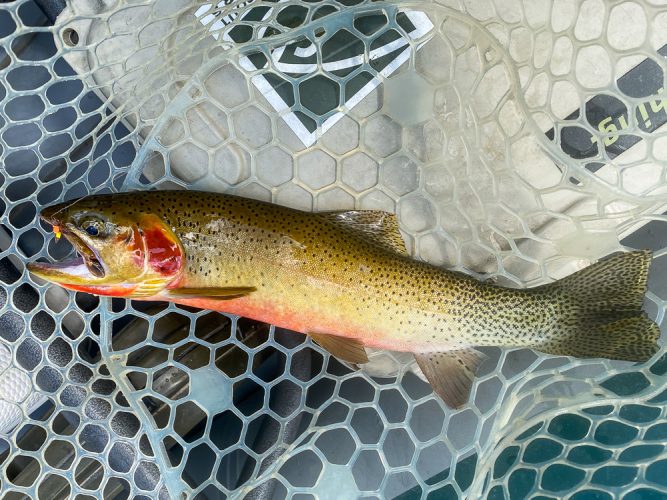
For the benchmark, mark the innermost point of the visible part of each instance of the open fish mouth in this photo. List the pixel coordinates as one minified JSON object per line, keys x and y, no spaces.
{"x":85,"y":267}
{"x":86,"y":253}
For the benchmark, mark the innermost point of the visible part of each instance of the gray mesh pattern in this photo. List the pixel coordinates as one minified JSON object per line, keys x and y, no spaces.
{"x":515,"y":141}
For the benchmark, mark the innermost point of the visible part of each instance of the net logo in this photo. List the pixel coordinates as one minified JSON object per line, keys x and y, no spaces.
{"x":611,"y":117}
{"x":328,"y":88}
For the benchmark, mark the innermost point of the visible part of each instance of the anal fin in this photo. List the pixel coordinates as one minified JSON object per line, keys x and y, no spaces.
{"x":347,"y":349}
{"x":212,"y":293}
{"x":451,"y":373}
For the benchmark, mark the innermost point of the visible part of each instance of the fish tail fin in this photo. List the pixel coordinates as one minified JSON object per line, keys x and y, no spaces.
{"x":602,"y":313}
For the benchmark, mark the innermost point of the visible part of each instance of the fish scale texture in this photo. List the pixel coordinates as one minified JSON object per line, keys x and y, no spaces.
{"x":515,"y":141}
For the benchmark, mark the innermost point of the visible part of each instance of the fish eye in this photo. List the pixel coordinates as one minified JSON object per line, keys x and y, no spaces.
{"x":93,"y":227}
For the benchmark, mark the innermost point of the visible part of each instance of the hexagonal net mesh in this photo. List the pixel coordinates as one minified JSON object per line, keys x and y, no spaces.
{"x":517,"y":141}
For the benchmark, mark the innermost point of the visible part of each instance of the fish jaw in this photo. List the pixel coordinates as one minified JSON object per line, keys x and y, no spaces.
{"x":104,"y":290}
{"x":75,"y":275}
{"x":87,"y":268}
{"x":73,"y":272}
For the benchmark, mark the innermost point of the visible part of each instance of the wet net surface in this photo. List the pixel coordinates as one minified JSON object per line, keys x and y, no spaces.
{"x":516,"y":141}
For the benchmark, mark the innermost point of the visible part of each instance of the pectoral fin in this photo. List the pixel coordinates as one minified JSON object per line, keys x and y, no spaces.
{"x":347,"y":349}
{"x":451,"y":373}
{"x":212,"y":293}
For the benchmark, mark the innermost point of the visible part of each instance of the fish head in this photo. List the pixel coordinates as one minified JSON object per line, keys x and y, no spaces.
{"x":122,"y":250}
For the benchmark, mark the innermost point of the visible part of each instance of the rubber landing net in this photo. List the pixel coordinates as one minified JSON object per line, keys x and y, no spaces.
{"x":516,"y":141}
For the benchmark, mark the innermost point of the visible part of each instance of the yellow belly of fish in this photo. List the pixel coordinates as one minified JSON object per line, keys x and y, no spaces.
{"x":374,"y":323}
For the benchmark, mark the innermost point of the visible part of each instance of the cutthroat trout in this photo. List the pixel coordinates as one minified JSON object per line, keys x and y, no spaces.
{"x":343,"y":278}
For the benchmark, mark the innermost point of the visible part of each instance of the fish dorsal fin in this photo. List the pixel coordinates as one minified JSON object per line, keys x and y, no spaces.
{"x":211,"y":293}
{"x":376,"y":226}
{"x":451,"y":373}
{"x":347,"y":349}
